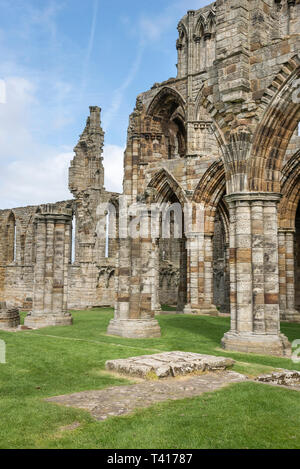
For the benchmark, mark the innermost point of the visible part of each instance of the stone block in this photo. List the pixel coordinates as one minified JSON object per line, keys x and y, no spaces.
{"x":168,"y":364}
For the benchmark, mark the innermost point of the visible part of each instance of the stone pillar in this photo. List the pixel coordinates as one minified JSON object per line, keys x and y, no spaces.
{"x":254,"y":279}
{"x":200,"y":275}
{"x":134,"y":314}
{"x":287,"y":276}
{"x":208,"y":307}
{"x":53,"y":255}
{"x":2,"y":282}
{"x":182,"y":287}
{"x":156,"y":306}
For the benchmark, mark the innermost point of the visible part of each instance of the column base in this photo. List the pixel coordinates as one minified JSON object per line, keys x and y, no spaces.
{"x":261,"y":344}
{"x":47,"y":320}
{"x":9,"y":317}
{"x":290,"y":316}
{"x":207,"y":310}
{"x":134,"y":328}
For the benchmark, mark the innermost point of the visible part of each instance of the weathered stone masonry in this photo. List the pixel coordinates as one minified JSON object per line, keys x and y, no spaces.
{"x":37,"y":272}
{"x":222,"y":136}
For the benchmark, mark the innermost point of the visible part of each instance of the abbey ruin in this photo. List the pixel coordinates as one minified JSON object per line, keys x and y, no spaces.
{"x":221,"y":139}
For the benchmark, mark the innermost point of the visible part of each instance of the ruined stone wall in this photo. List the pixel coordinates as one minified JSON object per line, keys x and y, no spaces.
{"x":91,"y":273}
{"x":223,"y":135}
{"x":18,"y":248}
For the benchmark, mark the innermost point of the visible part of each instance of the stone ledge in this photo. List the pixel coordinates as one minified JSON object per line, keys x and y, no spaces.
{"x":168,"y":364}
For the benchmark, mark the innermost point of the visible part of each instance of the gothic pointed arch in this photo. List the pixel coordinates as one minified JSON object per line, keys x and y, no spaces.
{"x":210,"y":191}
{"x":200,"y":27}
{"x":290,"y":190}
{"x":166,"y":187}
{"x":280,"y":119}
{"x":166,"y":102}
{"x":10,"y":237}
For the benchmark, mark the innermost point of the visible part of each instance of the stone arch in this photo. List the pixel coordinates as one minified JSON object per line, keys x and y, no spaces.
{"x":166,"y":113}
{"x":224,"y":214}
{"x":112,"y":235}
{"x":210,"y":191}
{"x":10,"y":237}
{"x":166,"y":101}
{"x":181,"y":46}
{"x":200,"y":27}
{"x":290,"y":190}
{"x":165,"y":186}
{"x":182,"y":31}
{"x":205,"y":26}
{"x":172,"y":241}
{"x":280,"y":119}
{"x":32,"y":231}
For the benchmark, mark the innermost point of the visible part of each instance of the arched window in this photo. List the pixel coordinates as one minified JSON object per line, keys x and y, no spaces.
{"x":11,"y":239}
{"x":107,"y":220}
{"x":73,"y":240}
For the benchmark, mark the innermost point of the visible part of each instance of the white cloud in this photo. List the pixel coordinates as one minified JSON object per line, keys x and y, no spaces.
{"x":31,"y":183}
{"x":31,"y":171}
{"x":113,"y":166}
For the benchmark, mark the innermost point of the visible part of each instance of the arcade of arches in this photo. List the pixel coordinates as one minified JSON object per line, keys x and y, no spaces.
{"x":220,"y":140}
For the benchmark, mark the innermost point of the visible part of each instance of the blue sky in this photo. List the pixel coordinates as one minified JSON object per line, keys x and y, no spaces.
{"x":59,"y":57}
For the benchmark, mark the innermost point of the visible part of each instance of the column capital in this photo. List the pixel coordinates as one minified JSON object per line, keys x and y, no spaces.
{"x":194,"y":234}
{"x":287,"y":230}
{"x":253,"y":197}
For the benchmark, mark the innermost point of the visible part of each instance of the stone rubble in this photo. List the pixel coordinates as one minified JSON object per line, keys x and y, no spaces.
{"x":283,"y":378}
{"x":9,"y":317}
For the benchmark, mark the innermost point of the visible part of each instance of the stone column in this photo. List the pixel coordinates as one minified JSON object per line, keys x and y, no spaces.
{"x":208,"y":306}
{"x":156,"y":306}
{"x":2,"y":282}
{"x":182,"y":287}
{"x":254,"y":279}
{"x":53,"y":254}
{"x":193,"y":245}
{"x":200,"y":275}
{"x":134,"y":314}
{"x":287,"y":276}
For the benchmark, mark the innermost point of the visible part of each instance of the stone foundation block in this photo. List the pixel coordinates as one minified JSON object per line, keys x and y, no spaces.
{"x":38,"y":322}
{"x":134,"y":328}
{"x":261,"y":344}
{"x":290,"y":316}
{"x":9,"y":317}
{"x":205,"y":311}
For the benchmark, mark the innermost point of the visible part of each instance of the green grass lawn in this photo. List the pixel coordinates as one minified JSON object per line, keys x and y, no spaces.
{"x":63,"y":360}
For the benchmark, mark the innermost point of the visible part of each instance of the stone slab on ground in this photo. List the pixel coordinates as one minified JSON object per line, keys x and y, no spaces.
{"x":122,"y":400}
{"x":168,"y":364}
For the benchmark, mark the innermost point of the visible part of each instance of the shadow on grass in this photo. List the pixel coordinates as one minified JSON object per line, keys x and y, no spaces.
{"x":210,"y":328}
